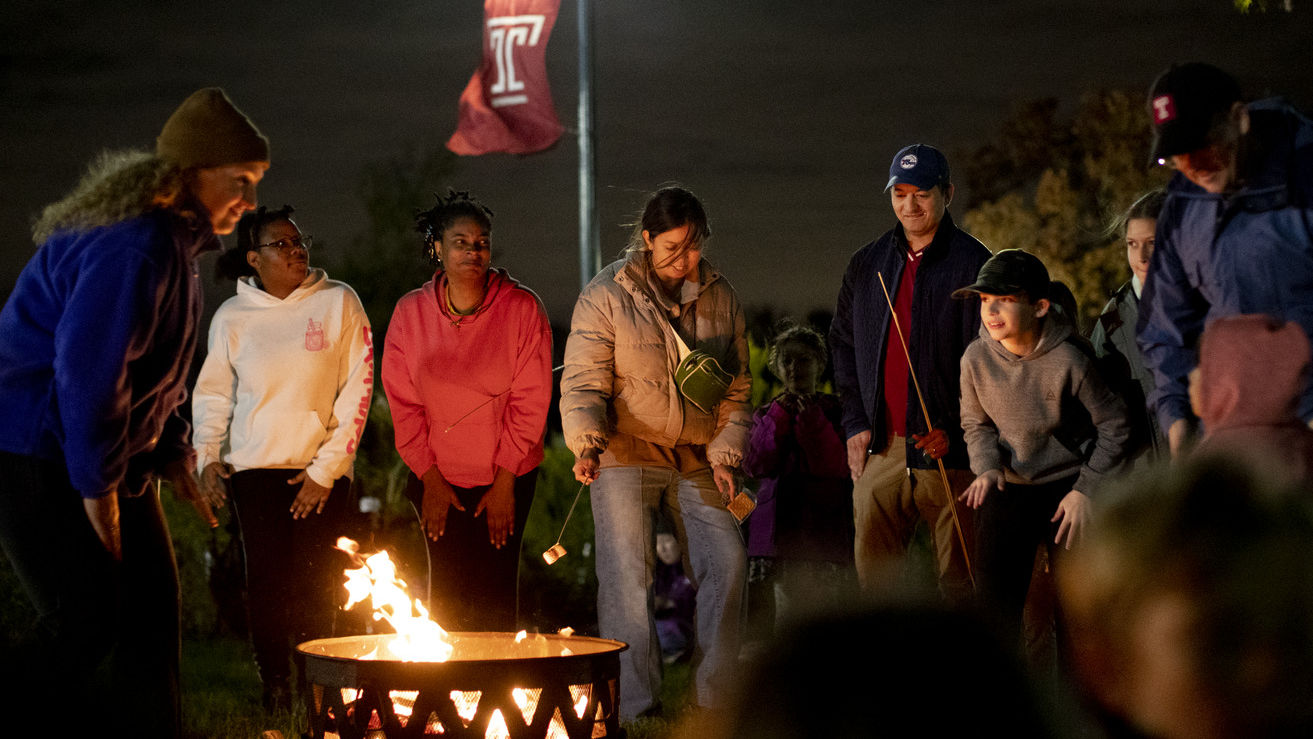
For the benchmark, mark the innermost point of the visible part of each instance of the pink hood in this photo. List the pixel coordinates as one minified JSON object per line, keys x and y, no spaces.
{"x":1251,"y":372}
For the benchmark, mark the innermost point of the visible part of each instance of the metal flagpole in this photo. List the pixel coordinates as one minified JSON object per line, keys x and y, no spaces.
{"x":590,"y":254}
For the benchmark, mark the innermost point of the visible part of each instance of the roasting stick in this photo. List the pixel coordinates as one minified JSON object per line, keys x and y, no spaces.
{"x":943,"y":474}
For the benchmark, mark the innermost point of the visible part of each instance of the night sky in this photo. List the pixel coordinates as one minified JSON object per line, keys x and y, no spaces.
{"x":783,"y":116}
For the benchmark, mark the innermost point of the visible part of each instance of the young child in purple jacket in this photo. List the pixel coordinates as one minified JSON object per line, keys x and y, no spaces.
{"x":804,"y":515}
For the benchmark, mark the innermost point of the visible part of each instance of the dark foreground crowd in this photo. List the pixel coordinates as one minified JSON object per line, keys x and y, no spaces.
{"x":1159,"y":467}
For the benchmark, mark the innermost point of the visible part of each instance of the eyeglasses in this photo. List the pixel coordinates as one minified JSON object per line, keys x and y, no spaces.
{"x":303,"y":241}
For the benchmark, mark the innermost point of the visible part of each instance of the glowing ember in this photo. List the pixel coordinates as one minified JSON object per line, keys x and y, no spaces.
{"x":497,"y":727}
{"x":403,"y":703}
{"x":527,"y":701}
{"x":466,"y":703}
{"x":419,"y":638}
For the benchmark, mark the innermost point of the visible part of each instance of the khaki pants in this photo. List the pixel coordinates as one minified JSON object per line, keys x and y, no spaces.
{"x":888,"y":499}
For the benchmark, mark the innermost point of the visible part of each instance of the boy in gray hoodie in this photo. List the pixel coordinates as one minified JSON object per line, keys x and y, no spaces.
{"x":1042,"y":428}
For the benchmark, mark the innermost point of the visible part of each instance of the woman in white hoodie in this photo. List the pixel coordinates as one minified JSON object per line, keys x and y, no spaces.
{"x":278,"y":409}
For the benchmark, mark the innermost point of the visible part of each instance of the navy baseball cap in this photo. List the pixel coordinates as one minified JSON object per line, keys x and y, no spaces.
{"x":919,"y":165}
{"x":1010,"y":272}
{"x":1184,"y":103}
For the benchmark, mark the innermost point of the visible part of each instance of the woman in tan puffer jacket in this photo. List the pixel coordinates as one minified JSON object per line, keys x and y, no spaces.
{"x":645,"y":448}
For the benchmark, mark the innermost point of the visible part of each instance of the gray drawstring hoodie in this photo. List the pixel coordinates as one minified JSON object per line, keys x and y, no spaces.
{"x":1044,"y":416}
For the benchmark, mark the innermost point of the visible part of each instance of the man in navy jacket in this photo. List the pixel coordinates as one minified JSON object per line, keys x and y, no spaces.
{"x":891,"y":452}
{"x":1236,"y":232}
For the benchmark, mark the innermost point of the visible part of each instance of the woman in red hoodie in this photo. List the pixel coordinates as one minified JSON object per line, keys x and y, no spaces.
{"x":467,"y":372}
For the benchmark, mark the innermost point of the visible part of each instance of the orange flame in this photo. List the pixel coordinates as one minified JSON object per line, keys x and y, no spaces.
{"x":419,"y":638}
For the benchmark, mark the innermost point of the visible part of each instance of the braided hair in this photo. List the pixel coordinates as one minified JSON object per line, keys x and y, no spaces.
{"x":434,"y":222}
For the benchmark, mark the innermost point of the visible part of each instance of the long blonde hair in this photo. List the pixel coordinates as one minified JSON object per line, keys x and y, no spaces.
{"x":117,"y":186}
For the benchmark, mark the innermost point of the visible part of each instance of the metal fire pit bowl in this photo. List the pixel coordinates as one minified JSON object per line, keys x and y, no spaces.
{"x":352,"y":697}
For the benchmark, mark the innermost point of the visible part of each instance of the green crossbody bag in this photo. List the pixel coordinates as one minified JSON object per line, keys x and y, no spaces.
{"x":700,"y":378}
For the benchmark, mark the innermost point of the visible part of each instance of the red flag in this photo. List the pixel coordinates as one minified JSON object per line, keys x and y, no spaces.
{"x":507,"y":106}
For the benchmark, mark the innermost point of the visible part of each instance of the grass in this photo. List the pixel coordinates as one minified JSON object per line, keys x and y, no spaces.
{"x":221,"y":693}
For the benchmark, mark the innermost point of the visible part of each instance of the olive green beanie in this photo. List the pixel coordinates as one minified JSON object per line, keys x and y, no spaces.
{"x":207,"y":130}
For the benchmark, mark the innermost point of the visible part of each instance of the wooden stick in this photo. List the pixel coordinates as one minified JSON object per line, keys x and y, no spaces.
{"x":943,"y":474}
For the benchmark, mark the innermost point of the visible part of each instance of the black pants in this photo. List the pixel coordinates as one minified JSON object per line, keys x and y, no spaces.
{"x":103,"y":654}
{"x":294,"y":580}
{"x":1010,"y":525}
{"x":472,"y":584}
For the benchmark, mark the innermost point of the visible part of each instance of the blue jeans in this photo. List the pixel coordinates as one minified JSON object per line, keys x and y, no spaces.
{"x":625,"y":501}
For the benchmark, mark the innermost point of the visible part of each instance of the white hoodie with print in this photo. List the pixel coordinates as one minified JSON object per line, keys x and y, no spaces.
{"x":287,"y":383}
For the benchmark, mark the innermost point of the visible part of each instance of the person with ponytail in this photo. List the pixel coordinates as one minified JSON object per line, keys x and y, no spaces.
{"x":1113,"y":336}
{"x":467,"y":368}
{"x":279,"y":406}
{"x":645,"y":446}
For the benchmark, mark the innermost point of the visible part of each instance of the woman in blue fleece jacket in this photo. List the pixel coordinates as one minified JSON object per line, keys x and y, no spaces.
{"x":95,"y":345}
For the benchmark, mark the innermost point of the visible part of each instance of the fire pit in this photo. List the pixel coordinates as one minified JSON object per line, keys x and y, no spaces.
{"x":493,"y":685}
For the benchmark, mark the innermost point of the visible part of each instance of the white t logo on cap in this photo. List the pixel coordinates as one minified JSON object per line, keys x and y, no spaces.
{"x":908,"y":161}
{"x":1164,"y":109}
